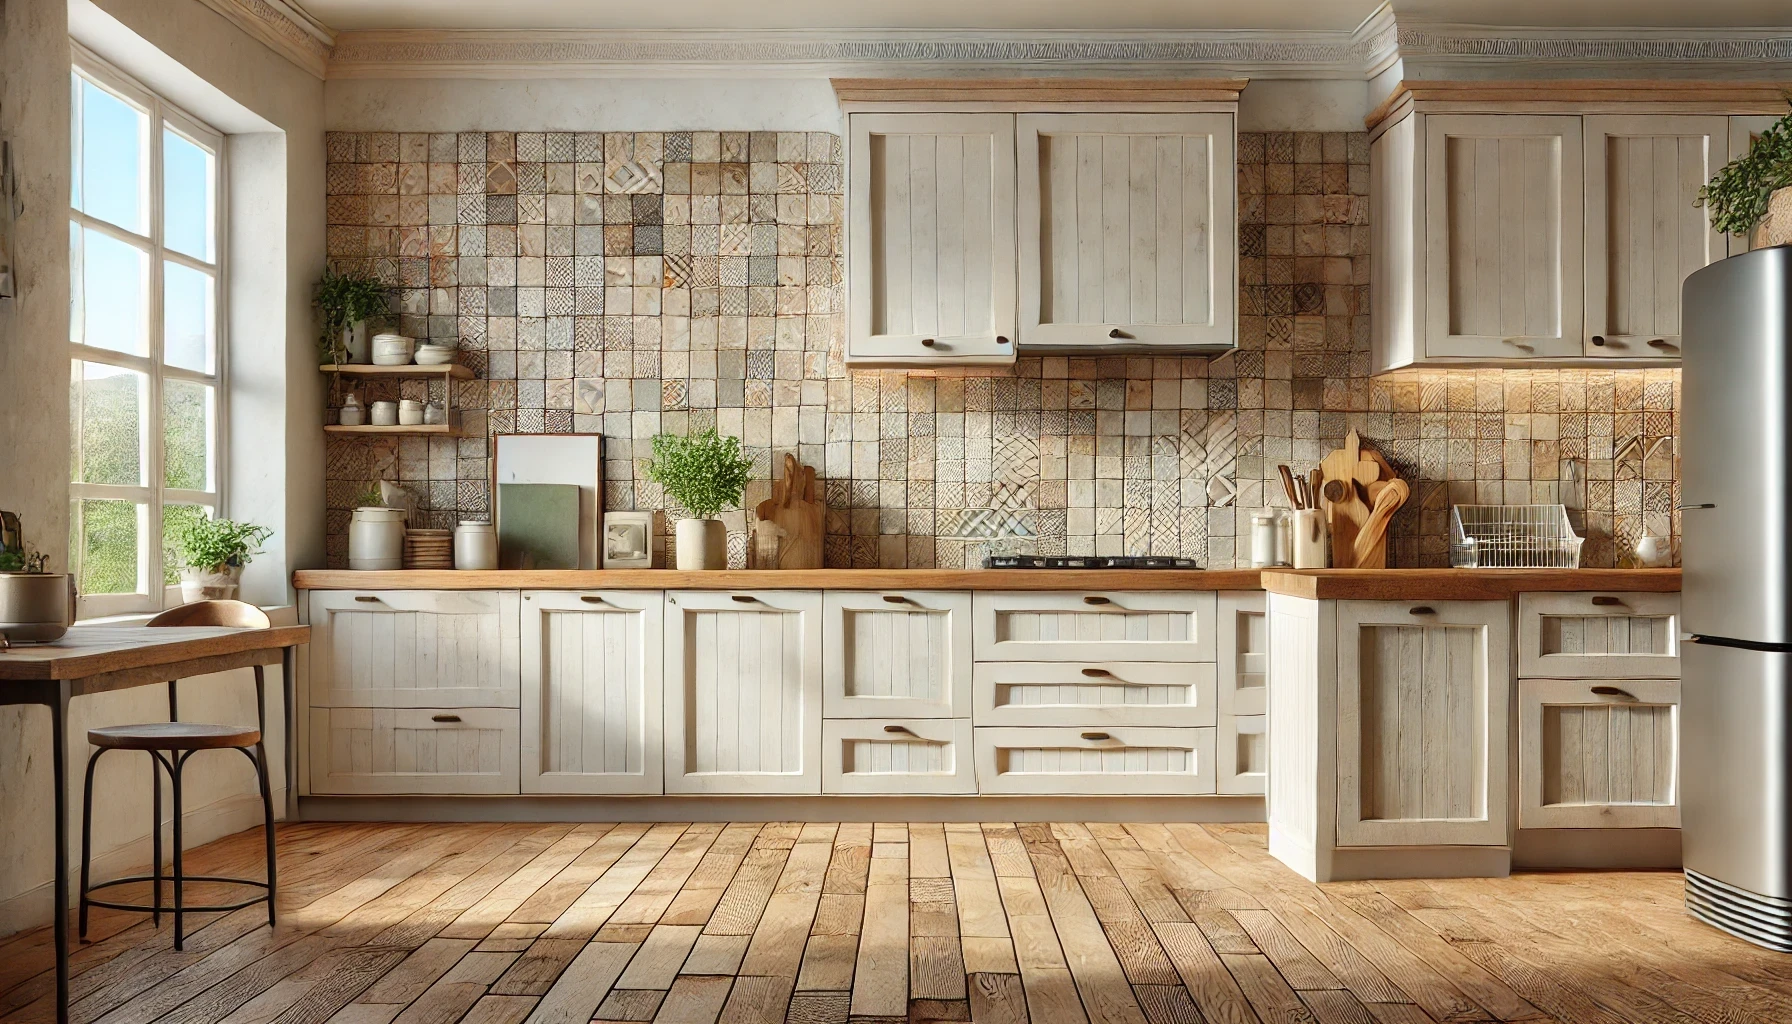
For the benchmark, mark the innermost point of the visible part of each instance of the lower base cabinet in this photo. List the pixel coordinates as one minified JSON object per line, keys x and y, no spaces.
{"x":430,"y":751}
{"x":930,"y":756}
{"x":1107,"y":761}
{"x":1598,"y":753}
{"x":592,"y":710}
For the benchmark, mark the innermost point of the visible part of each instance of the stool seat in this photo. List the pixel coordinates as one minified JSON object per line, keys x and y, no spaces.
{"x":173,"y":736}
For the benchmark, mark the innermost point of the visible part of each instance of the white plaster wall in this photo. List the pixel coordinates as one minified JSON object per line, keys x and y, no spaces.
{"x":591,"y":104}
{"x":1294,"y":105}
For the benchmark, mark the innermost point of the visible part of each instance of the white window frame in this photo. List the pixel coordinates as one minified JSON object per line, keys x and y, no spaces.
{"x":153,"y":497}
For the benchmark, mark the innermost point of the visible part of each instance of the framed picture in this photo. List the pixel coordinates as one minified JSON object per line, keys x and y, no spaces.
{"x":576,"y":459}
{"x":628,"y":540}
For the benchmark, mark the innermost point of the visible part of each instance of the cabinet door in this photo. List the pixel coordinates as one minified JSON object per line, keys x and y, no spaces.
{"x":1599,"y":636}
{"x":743,"y":691}
{"x":591,"y":691}
{"x":1422,"y":726}
{"x":1241,"y":753}
{"x":435,"y":751}
{"x":1644,"y":235}
{"x":1744,"y":130}
{"x":896,"y":654}
{"x":1071,"y":693}
{"x":1503,"y":229}
{"x":1127,"y":230}
{"x":1099,"y":627}
{"x":414,"y":648}
{"x":1598,"y":754}
{"x":931,"y":239}
{"x":912,"y":756}
{"x":1094,"y":761}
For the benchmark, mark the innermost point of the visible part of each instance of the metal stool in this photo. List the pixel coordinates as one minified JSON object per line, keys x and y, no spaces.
{"x":169,"y":745}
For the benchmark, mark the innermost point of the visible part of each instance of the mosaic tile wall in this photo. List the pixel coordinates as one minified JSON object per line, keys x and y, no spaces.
{"x":634,"y":283}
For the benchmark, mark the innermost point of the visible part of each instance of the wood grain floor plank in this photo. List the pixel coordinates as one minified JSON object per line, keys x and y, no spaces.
{"x":594,"y":906}
{"x":880,"y":975}
{"x":999,"y":999}
{"x":1100,"y":979}
{"x":575,"y":996}
{"x":694,"y":1000}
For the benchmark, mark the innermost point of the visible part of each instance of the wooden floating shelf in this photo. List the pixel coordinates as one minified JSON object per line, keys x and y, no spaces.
{"x":368,"y":428}
{"x":454,"y":370}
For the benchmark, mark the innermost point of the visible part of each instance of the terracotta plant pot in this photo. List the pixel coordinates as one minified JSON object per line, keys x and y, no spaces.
{"x":702,"y":544}
{"x":1775,"y":226}
{"x":216,"y":584}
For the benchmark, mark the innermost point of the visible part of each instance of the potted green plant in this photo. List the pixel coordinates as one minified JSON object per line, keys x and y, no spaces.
{"x":704,"y":473}
{"x":347,"y":301}
{"x":212,"y":553}
{"x":1752,"y":194}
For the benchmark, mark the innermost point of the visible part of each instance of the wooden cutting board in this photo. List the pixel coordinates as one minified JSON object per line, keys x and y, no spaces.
{"x":788,"y":527}
{"x":1362,"y":492}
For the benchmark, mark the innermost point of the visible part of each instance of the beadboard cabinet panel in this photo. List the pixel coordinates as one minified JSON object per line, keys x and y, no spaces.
{"x":1599,"y":636}
{"x":743,"y":691}
{"x":897,"y":757}
{"x":1241,"y":753}
{"x":1643,"y":234}
{"x":1075,"y":693}
{"x":592,"y":700}
{"x":1111,"y":761}
{"x":1598,"y":754}
{"x":415,"y":648}
{"x":1127,"y":230}
{"x":896,"y":654}
{"x":1130,"y":626}
{"x":434,"y":751}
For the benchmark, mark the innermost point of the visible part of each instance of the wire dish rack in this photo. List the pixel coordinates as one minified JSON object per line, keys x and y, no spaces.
{"x":1513,"y":537}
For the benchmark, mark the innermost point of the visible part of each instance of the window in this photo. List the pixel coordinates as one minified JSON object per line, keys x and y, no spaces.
{"x":146,"y":393}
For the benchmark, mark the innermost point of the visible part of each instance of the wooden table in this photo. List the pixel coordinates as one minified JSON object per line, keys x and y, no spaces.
{"x":97,"y":659}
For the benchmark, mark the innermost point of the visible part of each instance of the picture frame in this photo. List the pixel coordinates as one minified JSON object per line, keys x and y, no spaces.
{"x":628,"y":540}
{"x":555,"y":459}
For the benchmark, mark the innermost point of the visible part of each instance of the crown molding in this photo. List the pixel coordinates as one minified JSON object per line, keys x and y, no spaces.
{"x":1653,"y":95}
{"x":1037,"y":90}
{"x":284,"y":26}
{"x":1685,"y":52}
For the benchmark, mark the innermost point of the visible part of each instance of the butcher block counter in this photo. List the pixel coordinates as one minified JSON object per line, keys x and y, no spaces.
{"x":1460,"y":584}
{"x":780,"y":579}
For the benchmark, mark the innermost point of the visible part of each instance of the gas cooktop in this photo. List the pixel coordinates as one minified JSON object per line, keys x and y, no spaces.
{"x":1088,"y":562}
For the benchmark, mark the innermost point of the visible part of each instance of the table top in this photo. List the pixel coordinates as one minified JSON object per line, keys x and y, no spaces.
{"x":95,"y":650}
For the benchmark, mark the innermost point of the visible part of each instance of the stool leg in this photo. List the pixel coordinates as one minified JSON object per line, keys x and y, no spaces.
{"x":267,"y":807}
{"x":87,"y":838}
{"x":155,"y":834}
{"x":177,"y":763}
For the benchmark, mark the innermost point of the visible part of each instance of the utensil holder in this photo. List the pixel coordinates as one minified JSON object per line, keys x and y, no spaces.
{"x":1311,"y":540}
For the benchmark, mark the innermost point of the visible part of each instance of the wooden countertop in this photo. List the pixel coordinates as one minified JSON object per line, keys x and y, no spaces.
{"x":98,"y":650}
{"x":781,"y":579}
{"x":1459,"y":584}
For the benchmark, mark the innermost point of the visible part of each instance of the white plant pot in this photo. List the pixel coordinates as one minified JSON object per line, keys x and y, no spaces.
{"x":354,"y":342}
{"x":702,"y":544}
{"x":1775,"y":226}
{"x":219,"y":584}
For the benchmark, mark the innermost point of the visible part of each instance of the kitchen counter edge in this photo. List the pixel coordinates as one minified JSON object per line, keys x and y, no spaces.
{"x":1460,"y":584}
{"x":780,"y":579}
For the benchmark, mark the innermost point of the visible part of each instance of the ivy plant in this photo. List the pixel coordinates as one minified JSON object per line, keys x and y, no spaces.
{"x":213,"y":545}
{"x":704,"y":473}
{"x":343,"y":299}
{"x":1737,"y":195}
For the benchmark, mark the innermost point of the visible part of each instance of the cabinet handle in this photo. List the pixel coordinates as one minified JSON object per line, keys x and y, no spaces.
{"x":444,"y":718}
{"x":1613,"y":691}
{"x":1096,"y":737}
{"x":903,"y":729}
{"x":895,"y":599}
{"x":367,"y":597}
{"x":1661,"y":343}
{"x":927,"y":342}
{"x":1423,"y":609}
{"x":1098,"y":673}
{"x":1605,"y":600}
{"x":1599,"y":339}
{"x":743,"y":598}
{"x":593,"y":599}
{"x":1682,"y":508}
{"x":1118,"y":333}
{"x":1000,"y":340}
{"x":1096,"y":599}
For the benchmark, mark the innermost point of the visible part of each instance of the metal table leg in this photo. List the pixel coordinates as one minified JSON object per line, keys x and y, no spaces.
{"x":290,"y":689}
{"x":58,"y":704}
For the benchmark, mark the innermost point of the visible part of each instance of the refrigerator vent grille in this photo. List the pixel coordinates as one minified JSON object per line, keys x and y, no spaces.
{"x":1761,"y":920}
{"x":1513,"y":537}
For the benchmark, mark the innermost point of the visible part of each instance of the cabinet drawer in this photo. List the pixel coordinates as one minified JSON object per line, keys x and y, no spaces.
{"x":441,"y":751}
{"x":1074,"y":693}
{"x":1598,"y":755}
{"x":917,"y":755}
{"x":1094,"y":626}
{"x":1098,"y":761}
{"x":1241,"y":755}
{"x":896,"y":654}
{"x":415,"y":649}
{"x":1599,"y":636}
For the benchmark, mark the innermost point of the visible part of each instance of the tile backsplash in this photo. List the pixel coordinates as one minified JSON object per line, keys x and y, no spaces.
{"x":632,"y":283}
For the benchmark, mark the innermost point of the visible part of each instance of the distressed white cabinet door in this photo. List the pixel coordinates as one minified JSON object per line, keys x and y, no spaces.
{"x":1096,"y":627}
{"x":1128,"y":234}
{"x":414,"y":648}
{"x":1240,"y":752}
{"x":886,"y":756}
{"x":592,"y":691}
{"x":1644,"y":235}
{"x":1107,"y":761}
{"x":743,"y":691}
{"x":1422,"y":722}
{"x":1503,"y":230}
{"x":1744,"y":129}
{"x":1074,"y":693}
{"x":1599,"y":636}
{"x":896,"y":654}
{"x":1598,"y":754}
{"x":434,"y":751}
{"x":930,"y":239}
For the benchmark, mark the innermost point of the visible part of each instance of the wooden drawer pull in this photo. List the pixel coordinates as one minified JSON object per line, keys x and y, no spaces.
{"x":895,"y":599}
{"x":928,"y":342}
{"x":899,"y":729}
{"x":593,"y":599}
{"x":1096,"y":599}
{"x":1613,"y":691}
{"x":367,"y":597}
{"x":1423,"y":609}
{"x":1606,"y":601}
{"x":1096,"y":736}
{"x":1098,"y":673}
{"x":910,"y":733}
{"x":444,"y":718}
{"x":743,"y":598}
{"x":1119,"y":334}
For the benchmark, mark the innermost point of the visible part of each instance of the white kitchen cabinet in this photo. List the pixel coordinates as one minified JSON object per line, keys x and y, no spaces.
{"x":415,"y":648}
{"x":1599,"y":636}
{"x":1643,"y":233}
{"x":743,"y":691}
{"x":930,"y":236}
{"x":1241,"y":753}
{"x":1107,"y":761}
{"x":432,"y":751}
{"x":1128,"y":231}
{"x":1422,"y":722}
{"x":1094,"y":627}
{"x":1598,"y":753}
{"x":896,"y":654}
{"x":1076,"y":693}
{"x":591,"y":708}
{"x":897,"y":757}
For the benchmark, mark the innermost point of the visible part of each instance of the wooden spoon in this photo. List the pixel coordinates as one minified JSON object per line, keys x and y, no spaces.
{"x":1388,"y":500}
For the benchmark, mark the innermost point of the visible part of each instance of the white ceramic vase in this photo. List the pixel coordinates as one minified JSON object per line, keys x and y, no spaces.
{"x":354,"y":343}
{"x":702,"y":544}
{"x":376,"y":539}
{"x":215,"y":584}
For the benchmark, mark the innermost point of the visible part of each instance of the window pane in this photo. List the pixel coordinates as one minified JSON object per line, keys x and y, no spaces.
{"x":189,"y":317}
{"x":172,"y":517}
{"x":107,"y":407}
{"x":108,"y":299}
{"x":187,"y":191}
{"x":187,"y":410}
{"x":110,"y":172}
{"x":104,"y":536}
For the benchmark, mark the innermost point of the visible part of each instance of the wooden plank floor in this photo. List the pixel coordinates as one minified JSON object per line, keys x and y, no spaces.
{"x":817,"y":923}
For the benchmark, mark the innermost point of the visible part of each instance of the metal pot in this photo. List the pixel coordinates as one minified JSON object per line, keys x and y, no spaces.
{"x":36,"y":607}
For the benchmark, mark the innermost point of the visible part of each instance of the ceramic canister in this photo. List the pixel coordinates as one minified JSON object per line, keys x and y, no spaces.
{"x":410,"y":412}
{"x":475,"y":545}
{"x":376,"y":539}
{"x":383,"y":414}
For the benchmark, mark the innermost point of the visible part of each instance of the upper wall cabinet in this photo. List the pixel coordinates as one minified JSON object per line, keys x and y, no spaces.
{"x":1046,"y":215}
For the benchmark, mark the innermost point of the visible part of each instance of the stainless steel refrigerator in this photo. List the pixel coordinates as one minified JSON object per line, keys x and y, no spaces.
{"x":1736,"y":601}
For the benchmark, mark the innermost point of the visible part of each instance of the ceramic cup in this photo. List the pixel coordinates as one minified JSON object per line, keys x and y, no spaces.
{"x":383,"y":414}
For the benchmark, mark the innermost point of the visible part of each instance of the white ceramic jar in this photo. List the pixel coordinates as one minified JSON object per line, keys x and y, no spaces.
{"x":392,"y":349}
{"x":410,"y":412}
{"x":475,"y":545}
{"x":376,"y":539}
{"x":353,"y":413}
{"x":383,"y":414}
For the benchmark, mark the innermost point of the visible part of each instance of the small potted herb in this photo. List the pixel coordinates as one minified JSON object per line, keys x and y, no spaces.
{"x":1752,"y":194}
{"x":347,"y":302}
{"x":212,"y":553}
{"x":704,"y":473}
